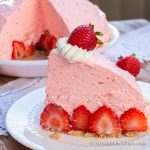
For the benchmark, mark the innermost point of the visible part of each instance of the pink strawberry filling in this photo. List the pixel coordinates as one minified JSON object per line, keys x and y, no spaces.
{"x":93,"y":84}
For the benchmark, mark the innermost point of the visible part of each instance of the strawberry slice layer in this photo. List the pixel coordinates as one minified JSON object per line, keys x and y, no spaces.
{"x":55,"y":118}
{"x":20,"y":51}
{"x":104,"y":121}
{"x":133,"y":120}
{"x":30,"y":50}
{"x":47,"y":42}
{"x":80,"y":118}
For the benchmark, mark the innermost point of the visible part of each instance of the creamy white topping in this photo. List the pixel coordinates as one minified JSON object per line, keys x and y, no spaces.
{"x":71,"y":53}
{"x":7,"y":2}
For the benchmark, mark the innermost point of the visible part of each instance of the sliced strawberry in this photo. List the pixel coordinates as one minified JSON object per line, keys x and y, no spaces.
{"x":104,"y":121}
{"x":30,"y":50}
{"x":80,"y":118}
{"x":55,"y":118}
{"x":47,"y":42}
{"x":133,"y":120}
{"x":18,"y":52}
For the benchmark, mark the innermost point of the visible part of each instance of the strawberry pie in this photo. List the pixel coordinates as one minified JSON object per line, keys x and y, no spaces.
{"x":89,"y":94}
{"x":29,"y":26}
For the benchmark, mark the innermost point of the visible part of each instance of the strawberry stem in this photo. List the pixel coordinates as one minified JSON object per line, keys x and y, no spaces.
{"x":99,"y":42}
{"x":133,"y":55}
{"x":99,"y":33}
{"x":120,"y":57}
{"x":91,"y":25}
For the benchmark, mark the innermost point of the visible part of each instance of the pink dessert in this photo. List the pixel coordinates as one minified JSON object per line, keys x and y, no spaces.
{"x":93,"y":84}
{"x":26,"y":20}
{"x":88,"y":93}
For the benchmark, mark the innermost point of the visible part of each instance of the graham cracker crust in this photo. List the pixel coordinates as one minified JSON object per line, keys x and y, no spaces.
{"x":57,"y":136}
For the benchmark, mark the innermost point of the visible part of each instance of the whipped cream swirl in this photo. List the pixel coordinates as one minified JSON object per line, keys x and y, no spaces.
{"x":71,"y":53}
{"x":6,"y":2}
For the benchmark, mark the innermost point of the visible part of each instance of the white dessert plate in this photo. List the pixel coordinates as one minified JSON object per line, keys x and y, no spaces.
{"x":22,"y":122}
{"x":38,"y":68}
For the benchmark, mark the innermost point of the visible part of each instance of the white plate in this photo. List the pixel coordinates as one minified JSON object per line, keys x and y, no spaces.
{"x":22,"y":122}
{"x":114,"y":37}
{"x":38,"y":68}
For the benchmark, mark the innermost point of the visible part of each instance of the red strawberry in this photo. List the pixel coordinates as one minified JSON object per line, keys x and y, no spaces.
{"x":84,"y":37}
{"x":30,"y":50}
{"x":47,"y":42}
{"x":130,"y":64}
{"x":18,"y":52}
{"x":104,"y":121}
{"x":55,"y":118}
{"x":133,"y":121}
{"x":80,"y":118}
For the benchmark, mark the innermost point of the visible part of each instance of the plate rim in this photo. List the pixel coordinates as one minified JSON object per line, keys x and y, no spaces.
{"x":24,"y":63}
{"x":115,"y":37}
{"x":27,"y":142}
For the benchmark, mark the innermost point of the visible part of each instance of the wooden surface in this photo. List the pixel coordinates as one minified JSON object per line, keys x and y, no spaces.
{"x":8,"y":143}
{"x":123,"y":9}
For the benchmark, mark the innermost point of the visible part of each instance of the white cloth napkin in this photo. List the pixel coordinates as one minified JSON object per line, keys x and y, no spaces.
{"x":12,"y":91}
{"x":137,"y":42}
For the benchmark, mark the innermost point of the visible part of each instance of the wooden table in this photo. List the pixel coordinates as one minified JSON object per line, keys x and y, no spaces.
{"x":8,"y":143}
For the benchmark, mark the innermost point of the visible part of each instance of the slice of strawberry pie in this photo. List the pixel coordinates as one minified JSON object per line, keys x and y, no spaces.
{"x":88,"y":93}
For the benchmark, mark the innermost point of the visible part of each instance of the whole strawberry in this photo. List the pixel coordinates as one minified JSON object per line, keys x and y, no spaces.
{"x":130,"y":64}
{"x":84,"y":37}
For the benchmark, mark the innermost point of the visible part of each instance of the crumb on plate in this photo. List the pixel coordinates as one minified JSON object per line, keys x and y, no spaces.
{"x":55,"y":136}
